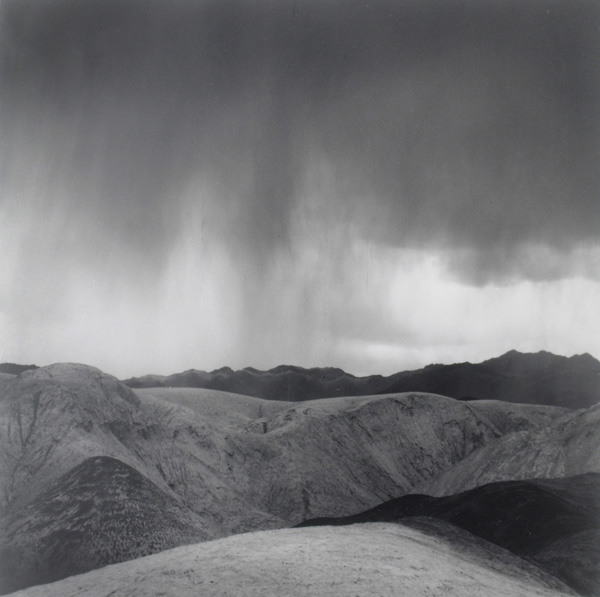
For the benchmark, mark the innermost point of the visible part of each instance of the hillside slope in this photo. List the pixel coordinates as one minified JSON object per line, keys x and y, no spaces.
{"x":390,"y":443}
{"x":51,"y":419}
{"x":568,"y":446}
{"x":371,"y":559}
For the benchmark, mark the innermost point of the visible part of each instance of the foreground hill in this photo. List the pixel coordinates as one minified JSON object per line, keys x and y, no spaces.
{"x":540,"y":378}
{"x":427,"y":558}
{"x":532,"y":518}
{"x":229,"y":463}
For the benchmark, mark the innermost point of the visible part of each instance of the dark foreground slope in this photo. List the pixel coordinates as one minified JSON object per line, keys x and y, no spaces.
{"x":540,"y":378}
{"x":552,"y":521}
{"x":99,"y":513}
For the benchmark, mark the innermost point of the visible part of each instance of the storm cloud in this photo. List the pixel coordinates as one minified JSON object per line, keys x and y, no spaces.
{"x":268,"y":139}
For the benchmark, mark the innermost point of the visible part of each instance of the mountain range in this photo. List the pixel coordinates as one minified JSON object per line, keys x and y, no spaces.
{"x":534,"y":378}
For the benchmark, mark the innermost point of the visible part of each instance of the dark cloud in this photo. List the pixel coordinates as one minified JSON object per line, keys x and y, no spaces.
{"x":448,"y":125}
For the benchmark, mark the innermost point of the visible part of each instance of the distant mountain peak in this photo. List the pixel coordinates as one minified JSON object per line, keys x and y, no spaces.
{"x":512,"y":354}
{"x":542,"y":359}
{"x":586,"y":356}
{"x":222,"y":371}
{"x":515,"y":361}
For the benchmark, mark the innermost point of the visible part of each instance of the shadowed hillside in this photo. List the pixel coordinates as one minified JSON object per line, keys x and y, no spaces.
{"x":100,"y":512}
{"x":550,"y":518}
{"x":540,"y":378}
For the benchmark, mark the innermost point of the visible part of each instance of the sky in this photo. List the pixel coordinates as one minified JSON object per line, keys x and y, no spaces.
{"x":373,"y":185}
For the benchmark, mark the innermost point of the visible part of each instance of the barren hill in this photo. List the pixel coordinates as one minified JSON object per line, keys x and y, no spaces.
{"x":427,"y":558}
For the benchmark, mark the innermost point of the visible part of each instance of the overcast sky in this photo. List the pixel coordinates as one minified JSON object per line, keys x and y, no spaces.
{"x":375,"y":185}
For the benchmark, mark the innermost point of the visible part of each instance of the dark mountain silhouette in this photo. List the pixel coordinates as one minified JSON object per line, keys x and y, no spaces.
{"x":551,"y":518}
{"x":536,"y":378}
